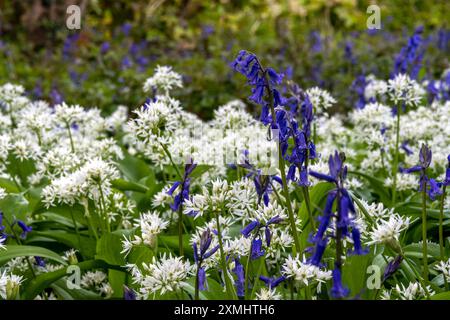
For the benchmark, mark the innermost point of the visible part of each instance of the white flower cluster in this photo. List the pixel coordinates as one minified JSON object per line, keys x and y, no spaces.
{"x":444,"y":268}
{"x":166,"y":274}
{"x":320,"y":99}
{"x":150,"y":225}
{"x":164,"y":80}
{"x":414,"y":291}
{"x":97,"y":281}
{"x":305,"y":274}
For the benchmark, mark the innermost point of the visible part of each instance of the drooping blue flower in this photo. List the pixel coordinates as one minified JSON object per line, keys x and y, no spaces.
{"x":263,"y":183}
{"x":392,"y":266}
{"x":202,"y":281}
{"x":249,"y":228}
{"x":358,"y":88}
{"x":410,"y":58}
{"x":434,"y":189}
{"x":257,"y":250}
{"x":431,"y":186}
{"x":203,"y":254}
{"x":184,"y":185}
{"x":240,"y":278}
{"x":128,"y":293}
{"x":2,"y":227}
{"x":318,"y":252}
{"x":358,"y":248}
{"x":272,"y":282}
{"x":406,"y":148}
{"x":446,"y":181}
{"x":39,"y":261}
{"x":338,"y":291}
{"x":104,"y":47}
{"x":25,"y":229}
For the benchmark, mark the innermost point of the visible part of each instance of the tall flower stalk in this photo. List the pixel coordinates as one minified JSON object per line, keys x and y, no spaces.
{"x":201,"y":254}
{"x":396,"y":156}
{"x":344,"y":222}
{"x":179,"y":199}
{"x":425,"y":156}
{"x":445,"y":184}
{"x":264,"y":92}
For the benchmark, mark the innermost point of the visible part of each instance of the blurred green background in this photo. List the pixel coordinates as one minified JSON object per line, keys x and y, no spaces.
{"x":104,"y":64}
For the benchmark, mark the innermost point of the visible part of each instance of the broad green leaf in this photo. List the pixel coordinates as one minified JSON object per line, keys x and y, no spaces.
{"x":441,"y":296}
{"x":14,"y":206}
{"x":354,"y":273}
{"x":83,"y":243}
{"x":140,"y":254}
{"x":124,"y":185}
{"x":109,"y":247}
{"x":414,"y":250}
{"x":42,"y":281}
{"x":134,"y":168}
{"x":8,"y":185}
{"x":14,"y":251}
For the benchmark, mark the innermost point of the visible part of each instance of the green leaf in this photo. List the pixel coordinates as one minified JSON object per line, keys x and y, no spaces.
{"x":60,"y":287}
{"x":84,"y":244}
{"x":354,"y":273}
{"x":377,"y":186}
{"x":140,"y":254}
{"x":134,"y":168}
{"x":14,"y":206}
{"x":172,"y":243}
{"x":124,"y":185}
{"x":116,"y":279}
{"x":14,"y":251}
{"x":108,"y":249}
{"x":42,"y":281}
{"x":414,"y":250}
{"x":317,"y":195}
{"x":8,"y":185}
{"x":441,"y":296}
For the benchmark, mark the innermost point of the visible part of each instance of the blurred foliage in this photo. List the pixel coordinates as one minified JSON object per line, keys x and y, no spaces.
{"x":324,"y":43}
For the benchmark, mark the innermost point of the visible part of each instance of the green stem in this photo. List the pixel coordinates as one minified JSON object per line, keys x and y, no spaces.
{"x":261,"y":264}
{"x":75,"y":226}
{"x":441,"y":224}
{"x":424,"y":231}
{"x":11,"y":227}
{"x":197,"y":283}
{"x":180,"y":230}
{"x":228,"y":285}
{"x":396,"y":155}
{"x":72,"y":145}
{"x":103,"y":205}
{"x":166,"y":151}
{"x":247,"y":265}
{"x":282,"y":166}
{"x":441,"y":232}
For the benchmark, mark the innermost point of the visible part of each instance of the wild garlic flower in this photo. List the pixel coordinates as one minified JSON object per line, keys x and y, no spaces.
{"x":321,"y":99}
{"x":85,"y":182}
{"x":97,"y":281}
{"x":375,"y":88}
{"x":387,"y":231}
{"x":404,"y":89}
{"x":9,"y":286}
{"x":414,"y":291}
{"x":149,"y":225}
{"x":163,"y":80}
{"x":444,"y":268}
{"x":166,"y":274}
{"x":305,"y":274}
{"x":268,"y":294}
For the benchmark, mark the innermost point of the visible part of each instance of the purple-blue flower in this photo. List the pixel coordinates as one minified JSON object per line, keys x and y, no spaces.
{"x":338,"y":291}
